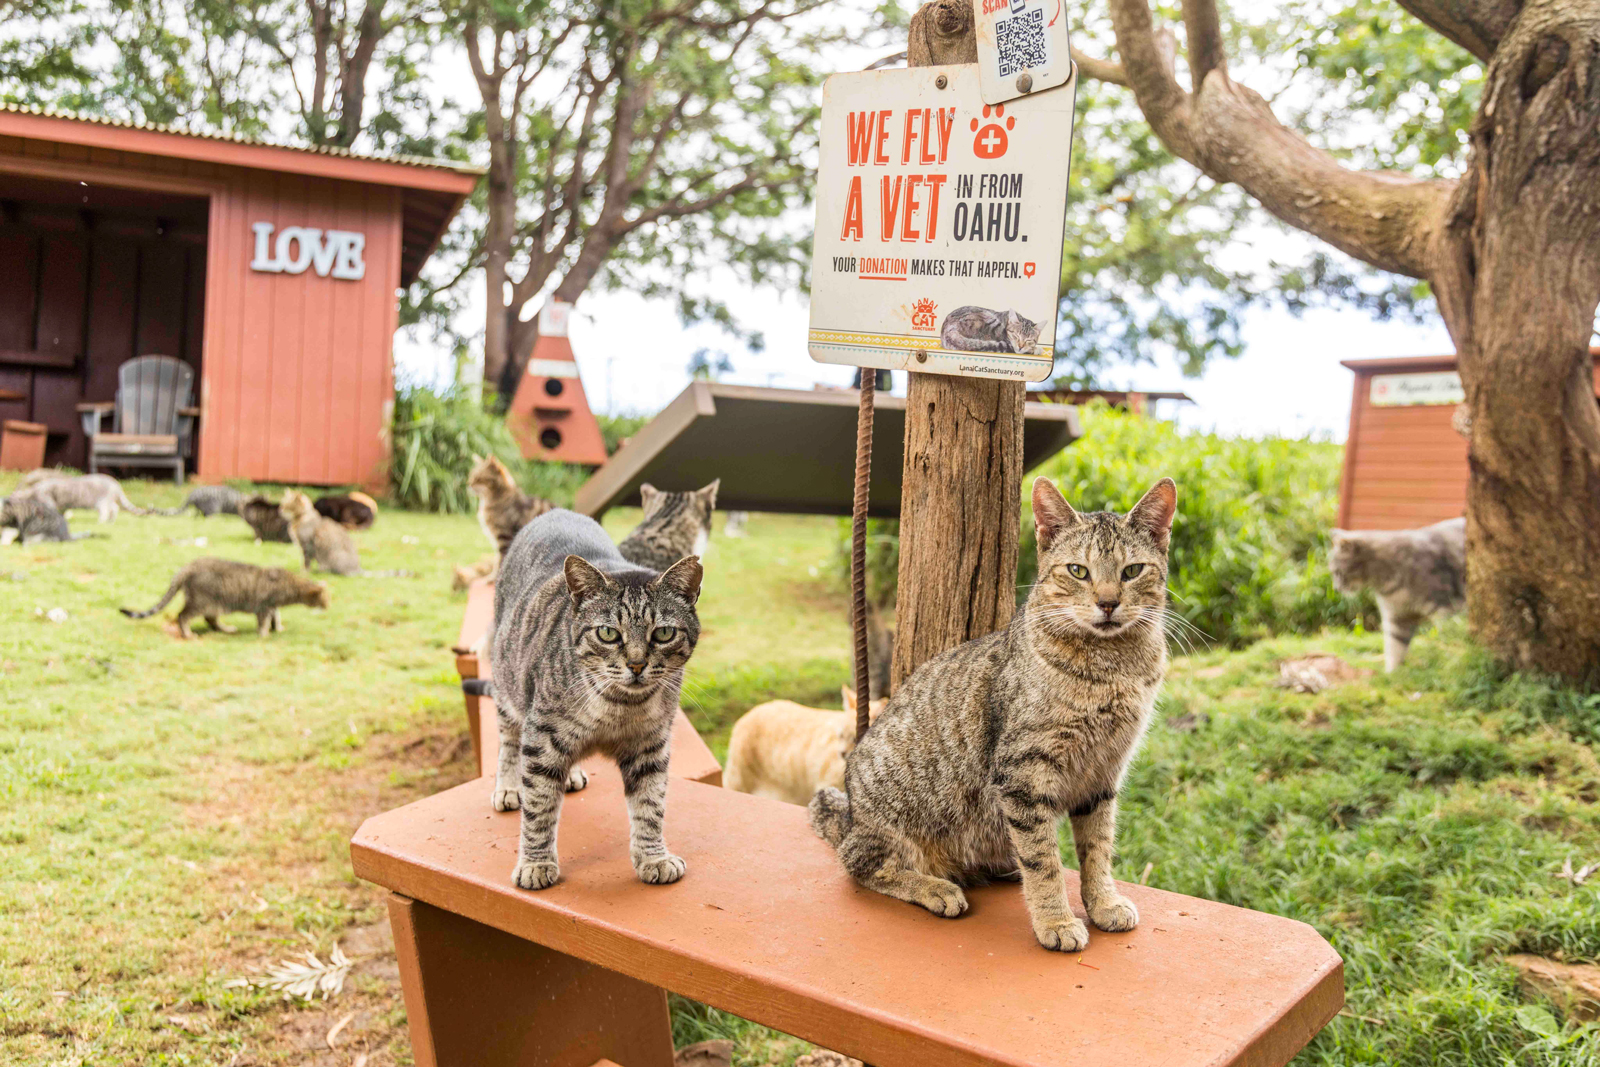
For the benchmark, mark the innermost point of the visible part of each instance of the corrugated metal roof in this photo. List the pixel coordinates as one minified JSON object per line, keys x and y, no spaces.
{"x":152,"y":127}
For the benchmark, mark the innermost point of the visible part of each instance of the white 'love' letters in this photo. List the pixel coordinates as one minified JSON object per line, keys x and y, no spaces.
{"x":335,"y":253}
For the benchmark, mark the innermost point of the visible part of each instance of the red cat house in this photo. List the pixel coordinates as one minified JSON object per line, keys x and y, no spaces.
{"x":1405,"y":462}
{"x":272,"y":271}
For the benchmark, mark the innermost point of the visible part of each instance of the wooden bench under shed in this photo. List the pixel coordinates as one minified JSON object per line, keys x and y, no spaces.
{"x":767,"y":926}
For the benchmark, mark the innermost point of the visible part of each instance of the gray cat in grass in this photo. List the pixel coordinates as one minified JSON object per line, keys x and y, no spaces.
{"x":588,"y":652}
{"x":1413,"y":574}
{"x":968,"y":772}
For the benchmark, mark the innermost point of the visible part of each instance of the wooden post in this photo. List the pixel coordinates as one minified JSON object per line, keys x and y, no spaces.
{"x":961,"y":492}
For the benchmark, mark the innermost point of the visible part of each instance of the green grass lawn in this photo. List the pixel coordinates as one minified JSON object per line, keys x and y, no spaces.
{"x":174,"y":814}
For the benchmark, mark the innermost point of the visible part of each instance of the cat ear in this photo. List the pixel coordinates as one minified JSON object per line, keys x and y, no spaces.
{"x":584,"y":580}
{"x":1153,"y":513}
{"x":709,"y":493}
{"x":849,"y":699}
{"x":1051,"y":513}
{"x":683,"y":578}
{"x":647,"y":495}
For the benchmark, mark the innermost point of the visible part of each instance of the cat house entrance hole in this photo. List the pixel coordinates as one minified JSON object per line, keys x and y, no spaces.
{"x":554,"y":387}
{"x":550,"y":437}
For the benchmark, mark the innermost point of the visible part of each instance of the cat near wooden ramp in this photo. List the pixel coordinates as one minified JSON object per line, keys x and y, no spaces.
{"x":1413,"y":574}
{"x":986,"y":748}
{"x":674,"y":525}
{"x":503,"y":508}
{"x":589,"y":652}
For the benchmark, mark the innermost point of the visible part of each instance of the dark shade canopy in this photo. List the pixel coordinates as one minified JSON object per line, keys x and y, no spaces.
{"x":787,"y":450}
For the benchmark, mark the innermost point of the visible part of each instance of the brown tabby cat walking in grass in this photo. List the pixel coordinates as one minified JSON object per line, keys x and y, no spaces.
{"x":970,"y":769}
{"x":213,"y":588}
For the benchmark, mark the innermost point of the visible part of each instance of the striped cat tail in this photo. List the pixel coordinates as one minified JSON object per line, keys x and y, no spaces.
{"x":830,"y":815}
{"x":172,"y":591}
{"x":478,"y":687}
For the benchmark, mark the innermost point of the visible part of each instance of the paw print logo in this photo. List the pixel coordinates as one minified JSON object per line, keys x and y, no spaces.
{"x":991,"y":140}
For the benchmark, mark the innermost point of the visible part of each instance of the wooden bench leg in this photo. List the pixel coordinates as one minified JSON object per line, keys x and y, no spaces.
{"x":477,"y":997}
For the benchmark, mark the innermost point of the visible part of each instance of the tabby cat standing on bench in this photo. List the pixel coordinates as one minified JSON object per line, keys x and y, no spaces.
{"x":589,"y":652}
{"x":967,"y":773}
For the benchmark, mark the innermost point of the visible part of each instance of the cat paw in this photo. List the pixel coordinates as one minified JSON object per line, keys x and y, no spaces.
{"x":541,"y":875}
{"x":662,"y":870}
{"x":1065,"y":935}
{"x":1114,"y":913}
{"x":945,"y":898}
{"x":577,"y":778}
{"x":505,"y":799}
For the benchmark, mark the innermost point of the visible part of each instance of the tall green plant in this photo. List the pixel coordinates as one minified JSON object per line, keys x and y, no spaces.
{"x":437,"y":437}
{"x":1249,"y":554}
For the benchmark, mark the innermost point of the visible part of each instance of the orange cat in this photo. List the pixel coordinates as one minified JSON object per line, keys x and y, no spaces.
{"x":787,"y":751}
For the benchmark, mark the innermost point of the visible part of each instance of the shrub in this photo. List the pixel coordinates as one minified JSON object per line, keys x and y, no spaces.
{"x":1249,"y":552}
{"x":615,"y":429}
{"x":1250,"y":541}
{"x":436,"y":437}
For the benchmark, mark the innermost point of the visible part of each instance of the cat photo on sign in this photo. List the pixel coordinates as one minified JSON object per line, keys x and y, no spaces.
{"x":976,"y":329}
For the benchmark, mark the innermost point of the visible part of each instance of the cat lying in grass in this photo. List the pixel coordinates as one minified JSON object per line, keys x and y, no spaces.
{"x":213,"y":588}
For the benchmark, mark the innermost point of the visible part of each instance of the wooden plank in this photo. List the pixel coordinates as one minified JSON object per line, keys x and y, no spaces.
{"x":324,"y":304}
{"x":260,"y":313}
{"x":63,"y":285}
{"x":161,"y":297}
{"x":350,"y":340}
{"x":288,"y":348}
{"x":19,"y":250}
{"x":804,"y":950}
{"x":113,"y":314}
{"x":548,"y":1009}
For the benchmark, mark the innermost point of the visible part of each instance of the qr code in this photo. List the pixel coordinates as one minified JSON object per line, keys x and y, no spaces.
{"x":1020,"y":40}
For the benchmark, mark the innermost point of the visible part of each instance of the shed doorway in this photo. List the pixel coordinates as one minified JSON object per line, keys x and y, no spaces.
{"x":91,"y":276}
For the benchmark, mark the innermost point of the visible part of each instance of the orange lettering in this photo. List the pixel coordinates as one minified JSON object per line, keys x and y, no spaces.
{"x":852,"y":212}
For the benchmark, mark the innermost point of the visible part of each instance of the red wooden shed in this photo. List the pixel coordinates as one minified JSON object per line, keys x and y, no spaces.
{"x":1405,"y":463}
{"x":272,"y":271}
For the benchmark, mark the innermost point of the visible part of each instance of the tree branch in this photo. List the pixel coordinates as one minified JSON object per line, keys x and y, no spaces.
{"x":1230,"y":133}
{"x":1099,"y":69}
{"x":1203,"y":27}
{"x":1476,"y":25}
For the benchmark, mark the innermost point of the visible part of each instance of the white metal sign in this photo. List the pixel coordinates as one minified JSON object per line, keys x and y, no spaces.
{"x":939,"y":225}
{"x":1022,"y":47}
{"x":1414,"y":390}
{"x":334,"y":253}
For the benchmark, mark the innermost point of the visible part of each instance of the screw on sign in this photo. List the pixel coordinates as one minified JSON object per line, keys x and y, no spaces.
{"x":992,"y":141}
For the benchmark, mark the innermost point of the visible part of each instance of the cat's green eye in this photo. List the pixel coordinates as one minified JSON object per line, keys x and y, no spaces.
{"x":662,"y":634}
{"x":1078,"y":571}
{"x":1132,"y":571}
{"x":608,"y":634}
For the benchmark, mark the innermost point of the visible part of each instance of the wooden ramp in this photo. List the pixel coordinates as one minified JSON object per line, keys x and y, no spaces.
{"x":766,"y":925}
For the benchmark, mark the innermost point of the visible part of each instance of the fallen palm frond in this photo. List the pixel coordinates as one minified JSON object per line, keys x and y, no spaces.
{"x":304,"y":977}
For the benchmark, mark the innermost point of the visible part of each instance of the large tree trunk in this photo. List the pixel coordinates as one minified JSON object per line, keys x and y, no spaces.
{"x":961,"y":491}
{"x":1519,"y":283}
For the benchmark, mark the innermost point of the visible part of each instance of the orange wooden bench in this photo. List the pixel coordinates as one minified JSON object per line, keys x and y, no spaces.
{"x":766,"y":925}
{"x":690,"y":756}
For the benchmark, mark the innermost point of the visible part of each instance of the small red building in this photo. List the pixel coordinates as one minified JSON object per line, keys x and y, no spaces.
{"x":1405,"y":463}
{"x":272,"y":271}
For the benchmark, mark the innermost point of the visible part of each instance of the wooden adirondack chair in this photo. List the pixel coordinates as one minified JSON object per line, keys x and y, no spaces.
{"x":152,"y":422}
